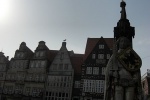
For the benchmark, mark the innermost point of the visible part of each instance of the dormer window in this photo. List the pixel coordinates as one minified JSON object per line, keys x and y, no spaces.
{"x":101,"y":46}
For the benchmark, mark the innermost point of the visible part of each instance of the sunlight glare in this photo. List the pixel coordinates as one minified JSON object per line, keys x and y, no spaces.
{"x":4,"y":9}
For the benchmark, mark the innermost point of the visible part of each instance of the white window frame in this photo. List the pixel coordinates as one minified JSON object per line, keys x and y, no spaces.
{"x":103,"y":70}
{"x":95,"y":70}
{"x":77,"y":84}
{"x":89,"y":70}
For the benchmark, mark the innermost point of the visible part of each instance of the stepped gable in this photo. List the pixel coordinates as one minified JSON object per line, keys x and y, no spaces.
{"x":23,"y":52}
{"x":42,"y":46}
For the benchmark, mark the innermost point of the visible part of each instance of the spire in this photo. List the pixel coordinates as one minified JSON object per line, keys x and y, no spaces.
{"x":123,"y":12}
{"x":123,"y":27}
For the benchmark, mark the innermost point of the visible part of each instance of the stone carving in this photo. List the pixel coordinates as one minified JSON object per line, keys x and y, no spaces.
{"x":123,"y":78}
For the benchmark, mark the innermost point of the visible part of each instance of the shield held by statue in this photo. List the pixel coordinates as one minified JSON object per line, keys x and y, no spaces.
{"x":130,"y":59}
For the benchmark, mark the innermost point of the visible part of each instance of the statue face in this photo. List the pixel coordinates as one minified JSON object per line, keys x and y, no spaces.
{"x":123,"y":43}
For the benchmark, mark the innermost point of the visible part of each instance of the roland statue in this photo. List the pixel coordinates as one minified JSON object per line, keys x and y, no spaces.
{"x":122,"y":81}
{"x":123,"y":76}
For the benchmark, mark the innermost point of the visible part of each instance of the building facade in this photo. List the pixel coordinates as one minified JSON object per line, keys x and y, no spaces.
{"x":97,"y":54}
{"x":55,"y":74}
{"x":60,"y":76}
{"x":40,"y":75}
{"x":3,"y":71}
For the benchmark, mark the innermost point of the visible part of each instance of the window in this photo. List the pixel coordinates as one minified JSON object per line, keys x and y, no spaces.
{"x":100,"y":56}
{"x":18,"y":55}
{"x":77,"y":84}
{"x":1,"y":74}
{"x":32,"y":64}
{"x":89,"y":70}
{"x":96,"y":86}
{"x":41,"y":78}
{"x":101,"y":46}
{"x":22,"y":55}
{"x":30,"y":77}
{"x":60,"y":67}
{"x":37,"y":64}
{"x":36,"y":77}
{"x":96,"y":70}
{"x":66,"y":67}
{"x":108,"y":56}
{"x":93,"y":56}
{"x":20,"y":76}
{"x":41,"y":54}
{"x":103,"y":70}
{"x":8,"y":77}
{"x":37,"y":54}
{"x":10,"y":89}
{"x":62,"y":56}
{"x":18,"y":89}
{"x":43,"y":63}
{"x":27,"y":91}
{"x":54,"y":67}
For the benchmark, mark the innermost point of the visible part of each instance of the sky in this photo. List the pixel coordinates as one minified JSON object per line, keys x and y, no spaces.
{"x":53,"y":21}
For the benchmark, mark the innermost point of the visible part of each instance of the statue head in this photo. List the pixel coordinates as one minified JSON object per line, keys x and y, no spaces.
{"x":123,"y":43}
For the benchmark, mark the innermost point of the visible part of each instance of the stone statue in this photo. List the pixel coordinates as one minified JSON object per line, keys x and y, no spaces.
{"x":122,"y":83}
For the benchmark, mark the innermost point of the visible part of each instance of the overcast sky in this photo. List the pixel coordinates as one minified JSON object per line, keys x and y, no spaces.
{"x":75,"y":20}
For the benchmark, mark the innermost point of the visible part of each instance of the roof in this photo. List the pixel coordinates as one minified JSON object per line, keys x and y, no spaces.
{"x":77,"y":60}
{"x":52,"y":54}
{"x":91,"y":42}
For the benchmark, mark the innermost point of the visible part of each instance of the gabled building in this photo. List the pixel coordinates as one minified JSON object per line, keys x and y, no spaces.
{"x":36,"y":73}
{"x":97,"y":54}
{"x":59,"y":83}
{"x":15,"y":79}
{"x":55,"y":74}
{"x":3,"y":69}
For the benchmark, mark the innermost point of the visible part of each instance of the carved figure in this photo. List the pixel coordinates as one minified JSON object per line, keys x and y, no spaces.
{"x":120,"y":83}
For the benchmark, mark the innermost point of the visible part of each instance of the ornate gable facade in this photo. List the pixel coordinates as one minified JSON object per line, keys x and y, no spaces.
{"x":97,"y":54}
{"x":60,"y":76}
